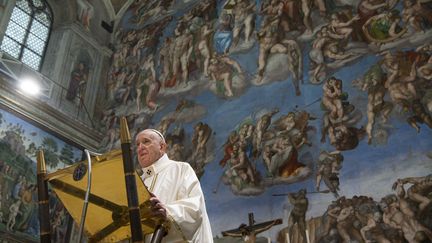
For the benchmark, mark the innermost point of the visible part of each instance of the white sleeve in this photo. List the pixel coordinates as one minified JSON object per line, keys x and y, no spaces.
{"x":185,"y":213}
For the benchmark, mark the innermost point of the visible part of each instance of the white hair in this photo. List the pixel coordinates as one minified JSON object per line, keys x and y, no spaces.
{"x":158,"y":133}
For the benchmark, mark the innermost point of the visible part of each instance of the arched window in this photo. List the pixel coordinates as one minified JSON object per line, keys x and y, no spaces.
{"x":28,"y":32}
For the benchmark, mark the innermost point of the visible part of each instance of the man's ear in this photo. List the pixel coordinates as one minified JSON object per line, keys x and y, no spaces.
{"x":163,"y":147}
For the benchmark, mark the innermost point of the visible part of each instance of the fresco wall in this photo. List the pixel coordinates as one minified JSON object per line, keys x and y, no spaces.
{"x":314,"y":112}
{"x":19,"y":142}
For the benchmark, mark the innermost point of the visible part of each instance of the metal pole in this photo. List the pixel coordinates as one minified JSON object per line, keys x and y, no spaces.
{"x":86,"y":198}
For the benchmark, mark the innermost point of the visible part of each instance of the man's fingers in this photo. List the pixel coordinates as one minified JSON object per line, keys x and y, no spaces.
{"x":154,"y":200}
{"x":158,"y":206}
{"x":159,"y":212}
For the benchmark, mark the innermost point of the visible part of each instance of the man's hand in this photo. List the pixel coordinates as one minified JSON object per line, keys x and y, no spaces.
{"x":157,"y":208}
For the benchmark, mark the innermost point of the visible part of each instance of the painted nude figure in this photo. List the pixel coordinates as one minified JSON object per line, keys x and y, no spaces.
{"x":221,"y":69}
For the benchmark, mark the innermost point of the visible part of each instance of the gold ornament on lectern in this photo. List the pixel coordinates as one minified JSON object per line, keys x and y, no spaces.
{"x":107,"y":215}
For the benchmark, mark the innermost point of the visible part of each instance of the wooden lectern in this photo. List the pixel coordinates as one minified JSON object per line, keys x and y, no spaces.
{"x":115,"y":204}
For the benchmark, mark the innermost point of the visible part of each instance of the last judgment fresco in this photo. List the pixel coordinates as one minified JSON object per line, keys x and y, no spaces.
{"x":317,"y":113}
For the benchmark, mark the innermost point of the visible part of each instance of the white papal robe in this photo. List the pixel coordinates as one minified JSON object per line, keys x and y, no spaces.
{"x":176,"y":185}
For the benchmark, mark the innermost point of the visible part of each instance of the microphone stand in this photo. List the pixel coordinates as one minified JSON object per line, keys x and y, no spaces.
{"x":159,"y":234}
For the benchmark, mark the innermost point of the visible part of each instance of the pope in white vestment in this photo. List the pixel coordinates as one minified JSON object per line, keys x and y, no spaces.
{"x":176,"y":186}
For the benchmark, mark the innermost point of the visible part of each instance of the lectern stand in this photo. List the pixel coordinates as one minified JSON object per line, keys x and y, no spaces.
{"x":118,"y":203}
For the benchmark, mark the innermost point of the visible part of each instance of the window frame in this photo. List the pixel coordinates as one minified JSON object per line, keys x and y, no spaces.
{"x":23,"y":45}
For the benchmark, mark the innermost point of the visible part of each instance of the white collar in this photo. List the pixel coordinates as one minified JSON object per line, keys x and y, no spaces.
{"x":156,"y":167}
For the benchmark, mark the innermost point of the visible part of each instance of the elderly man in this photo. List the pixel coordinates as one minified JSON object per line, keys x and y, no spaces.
{"x":176,"y":191}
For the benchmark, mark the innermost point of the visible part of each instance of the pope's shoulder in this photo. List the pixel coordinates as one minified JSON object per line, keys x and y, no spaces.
{"x":182,"y":164}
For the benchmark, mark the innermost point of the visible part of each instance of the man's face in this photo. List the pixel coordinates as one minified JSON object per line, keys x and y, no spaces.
{"x":149,"y":147}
